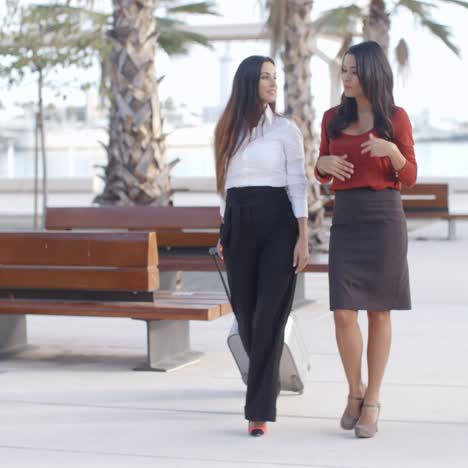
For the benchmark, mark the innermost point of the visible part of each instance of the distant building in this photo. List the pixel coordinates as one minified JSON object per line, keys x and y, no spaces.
{"x":211,"y":113}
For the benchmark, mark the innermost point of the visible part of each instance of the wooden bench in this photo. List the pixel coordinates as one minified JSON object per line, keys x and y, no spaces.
{"x":99,"y":275}
{"x":184,"y":234}
{"x":431,"y":201}
{"x":424,"y":201}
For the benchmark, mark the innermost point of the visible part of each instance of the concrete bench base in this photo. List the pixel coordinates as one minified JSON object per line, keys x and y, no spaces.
{"x":168,"y":346}
{"x":13,"y":334}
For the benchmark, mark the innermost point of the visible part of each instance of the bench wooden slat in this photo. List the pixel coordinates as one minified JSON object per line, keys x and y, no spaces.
{"x":317,"y":264}
{"x":190,"y":296}
{"x":186,"y":238}
{"x":461,"y":216}
{"x":425,"y":196}
{"x":420,"y":201}
{"x":74,"y":261}
{"x":185,"y":306}
{"x":128,"y":249}
{"x":188,"y":304}
{"x":79,"y":278}
{"x":430,"y":214}
{"x":214,"y":295}
{"x":193,"y":298}
{"x":136,"y":310}
{"x":138,"y":217}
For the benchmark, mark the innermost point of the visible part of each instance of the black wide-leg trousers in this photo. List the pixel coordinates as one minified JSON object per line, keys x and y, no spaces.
{"x":258,"y":237}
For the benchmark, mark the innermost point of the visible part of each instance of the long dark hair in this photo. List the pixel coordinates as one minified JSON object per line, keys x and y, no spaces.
{"x":376,"y":79}
{"x":241,"y":115}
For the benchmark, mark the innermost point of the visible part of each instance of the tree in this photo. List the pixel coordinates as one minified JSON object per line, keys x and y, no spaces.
{"x":343,"y":23}
{"x":137,"y":171}
{"x":291,"y":35}
{"x":376,"y":24}
{"x":376,"y":20}
{"x":45,"y":37}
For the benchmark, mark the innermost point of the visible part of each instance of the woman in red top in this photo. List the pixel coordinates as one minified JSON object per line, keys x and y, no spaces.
{"x":366,"y":150}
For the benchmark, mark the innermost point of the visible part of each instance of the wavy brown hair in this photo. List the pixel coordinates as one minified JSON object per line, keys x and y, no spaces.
{"x":376,"y":79}
{"x":240,"y":116}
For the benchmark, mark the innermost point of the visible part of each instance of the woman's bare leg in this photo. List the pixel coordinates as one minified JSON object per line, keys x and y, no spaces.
{"x":378,"y":350}
{"x":350,"y":346}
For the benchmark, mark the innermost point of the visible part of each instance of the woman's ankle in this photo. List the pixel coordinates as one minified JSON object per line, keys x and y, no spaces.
{"x":372,"y":398}
{"x":358,"y":390}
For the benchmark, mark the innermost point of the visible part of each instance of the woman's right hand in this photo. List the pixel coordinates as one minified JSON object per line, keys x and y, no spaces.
{"x":219,"y":249}
{"x":336,"y":166}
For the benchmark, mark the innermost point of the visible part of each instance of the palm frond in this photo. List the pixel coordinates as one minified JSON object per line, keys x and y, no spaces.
{"x":341,"y":20}
{"x":173,"y":39}
{"x":456,"y":2}
{"x":422,"y":11}
{"x":176,"y":41}
{"x":165,"y":23}
{"x":198,"y":8}
{"x":415,"y":7}
{"x":442,"y":32}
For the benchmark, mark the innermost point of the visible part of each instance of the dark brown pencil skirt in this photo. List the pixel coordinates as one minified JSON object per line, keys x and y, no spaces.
{"x":368,"y":268}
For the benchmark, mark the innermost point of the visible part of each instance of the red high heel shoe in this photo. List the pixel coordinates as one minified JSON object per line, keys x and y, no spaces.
{"x":257,"y":429}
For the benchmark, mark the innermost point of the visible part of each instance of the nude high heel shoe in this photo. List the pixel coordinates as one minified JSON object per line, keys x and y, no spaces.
{"x":367,"y":431}
{"x":348,"y":422}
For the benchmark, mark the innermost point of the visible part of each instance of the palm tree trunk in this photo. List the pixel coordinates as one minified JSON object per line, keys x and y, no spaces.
{"x":296,"y":56}
{"x":136,"y":172}
{"x":377,"y":24}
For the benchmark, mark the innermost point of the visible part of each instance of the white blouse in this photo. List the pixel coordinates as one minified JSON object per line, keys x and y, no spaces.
{"x":273,"y":156}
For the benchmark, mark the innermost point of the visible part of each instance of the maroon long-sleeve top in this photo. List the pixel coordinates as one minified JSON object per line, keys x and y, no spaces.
{"x":373,"y":172}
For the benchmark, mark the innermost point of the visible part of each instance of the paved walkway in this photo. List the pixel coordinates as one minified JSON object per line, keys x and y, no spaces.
{"x":73,"y":401}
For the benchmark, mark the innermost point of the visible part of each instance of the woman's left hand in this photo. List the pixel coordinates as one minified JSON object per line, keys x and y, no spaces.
{"x":301,"y":254}
{"x":377,"y":147}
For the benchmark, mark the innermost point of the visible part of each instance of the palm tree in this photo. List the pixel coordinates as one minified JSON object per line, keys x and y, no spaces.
{"x":344,"y":23}
{"x":376,"y":24}
{"x":291,"y":35}
{"x":137,"y":172}
{"x":377,"y":17}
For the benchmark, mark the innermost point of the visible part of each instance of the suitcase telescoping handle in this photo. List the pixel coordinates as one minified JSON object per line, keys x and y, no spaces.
{"x":214,"y":253}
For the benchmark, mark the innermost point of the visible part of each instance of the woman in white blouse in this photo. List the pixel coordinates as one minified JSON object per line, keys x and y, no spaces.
{"x":263,"y":239}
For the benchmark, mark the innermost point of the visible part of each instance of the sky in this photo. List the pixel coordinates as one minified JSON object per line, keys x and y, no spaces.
{"x":436,"y":82}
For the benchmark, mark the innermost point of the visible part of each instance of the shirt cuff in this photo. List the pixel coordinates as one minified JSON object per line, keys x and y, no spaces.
{"x":299,"y":206}
{"x":222,"y":206}
{"x":322,"y":179}
{"x":405,"y":175}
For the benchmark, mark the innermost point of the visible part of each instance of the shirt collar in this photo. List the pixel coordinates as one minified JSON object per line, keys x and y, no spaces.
{"x":266,"y":120}
{"x":269,"y":115}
